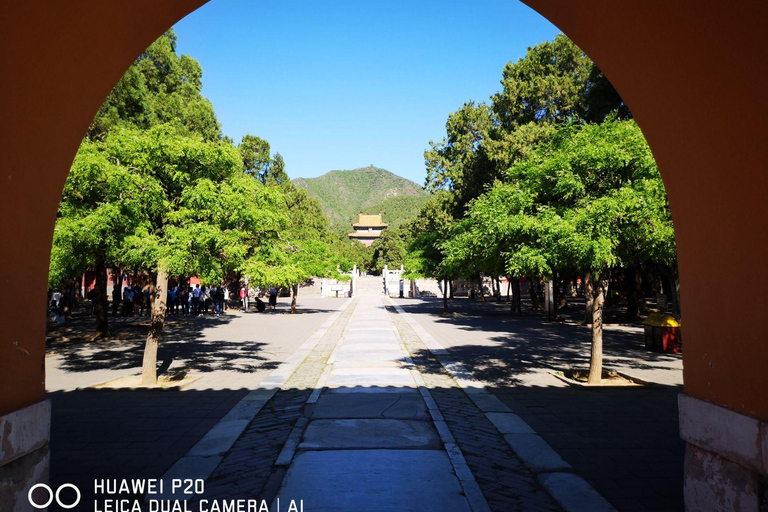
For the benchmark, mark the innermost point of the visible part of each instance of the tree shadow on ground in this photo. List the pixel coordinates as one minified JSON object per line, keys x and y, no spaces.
{"x":623,"y":442}
{"x":511,"y":347}
{"x":183,"y":344}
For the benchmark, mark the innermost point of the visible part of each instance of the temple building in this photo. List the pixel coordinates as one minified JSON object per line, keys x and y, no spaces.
{"x":367,"y":229}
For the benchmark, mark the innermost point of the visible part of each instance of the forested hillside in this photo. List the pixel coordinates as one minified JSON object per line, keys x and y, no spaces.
{"x":344,"y":194}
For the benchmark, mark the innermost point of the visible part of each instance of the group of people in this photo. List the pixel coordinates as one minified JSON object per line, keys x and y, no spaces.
{"x":133,"y":298}
{"x":248,"y":295}
{"x":188,"y":300}
{"x":198,"y":300}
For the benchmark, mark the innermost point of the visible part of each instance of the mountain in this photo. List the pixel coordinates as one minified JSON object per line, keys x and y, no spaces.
{"x":370,"y":190}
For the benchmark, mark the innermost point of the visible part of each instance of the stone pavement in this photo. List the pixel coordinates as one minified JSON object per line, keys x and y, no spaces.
{"x":372,"y":413}
{"x":142,"y":433}
{"x":624,"y":440}
{"x":362,"y":426}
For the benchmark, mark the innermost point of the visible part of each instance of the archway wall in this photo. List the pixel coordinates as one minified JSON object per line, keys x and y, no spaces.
{"x":59,"y":62}
{"x":694,"y":74}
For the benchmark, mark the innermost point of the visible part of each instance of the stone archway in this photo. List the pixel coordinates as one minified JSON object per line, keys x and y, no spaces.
{"x":693,"y":74}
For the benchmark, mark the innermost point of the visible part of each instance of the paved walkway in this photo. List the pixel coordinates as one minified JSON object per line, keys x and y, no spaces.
{"x":624,"y":440}
{"x":361,"y":425}
{"x":370,"y":441}
{"x":134,"y":433}
{"x":363,"y":408}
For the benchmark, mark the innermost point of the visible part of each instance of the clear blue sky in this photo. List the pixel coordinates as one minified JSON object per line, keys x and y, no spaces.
{"x":345,"y":84}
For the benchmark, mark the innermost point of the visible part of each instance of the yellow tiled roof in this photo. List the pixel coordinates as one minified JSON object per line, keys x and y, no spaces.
{"x":369,"y":221}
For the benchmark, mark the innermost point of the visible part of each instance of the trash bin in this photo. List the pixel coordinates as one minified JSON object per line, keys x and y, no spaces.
{"x":662,"y":333}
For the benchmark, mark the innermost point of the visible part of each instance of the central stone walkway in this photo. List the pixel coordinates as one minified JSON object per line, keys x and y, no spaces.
{"x":370,"y":442}
{"x":378,"y":417}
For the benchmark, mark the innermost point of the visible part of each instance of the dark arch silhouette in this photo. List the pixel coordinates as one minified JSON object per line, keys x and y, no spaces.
{"x":693,"y":73}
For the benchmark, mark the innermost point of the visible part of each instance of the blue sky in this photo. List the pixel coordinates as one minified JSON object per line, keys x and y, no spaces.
{"x":345,"y":84}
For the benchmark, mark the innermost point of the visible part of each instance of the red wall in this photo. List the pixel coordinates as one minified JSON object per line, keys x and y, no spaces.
{"x":692,"y":72}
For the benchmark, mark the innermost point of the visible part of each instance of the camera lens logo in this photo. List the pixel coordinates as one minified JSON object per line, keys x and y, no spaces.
{"x":52,"y":496}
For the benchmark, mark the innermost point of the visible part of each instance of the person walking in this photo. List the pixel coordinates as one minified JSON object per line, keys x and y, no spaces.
{"x":146,"y":302}
{"x":244,"y":298}
{"x":56,"y":297}
{"x":272,"y":297}
{"x":196,"y":300}
{"x":127,"y":301}
{"x":138,"y":300}
{"x":181,"y":299}
{"x":205,"y":300}
{"x":219,"y":300}
{"x":170,"y":300}
{"x":226,"y":298}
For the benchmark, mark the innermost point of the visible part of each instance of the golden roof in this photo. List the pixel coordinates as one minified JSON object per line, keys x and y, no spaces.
{"x":369,"y":221}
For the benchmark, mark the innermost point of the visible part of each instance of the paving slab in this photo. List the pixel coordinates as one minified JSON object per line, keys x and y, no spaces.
{"x":383,"y":336}
{"x":574,"y":494}
{"x":377,"y":352}
{"x":353,"y":389}
{"x":220,"y":438}
{"x":374,"y":480}
{"x":376,"y":363}
{"x":371,"y":405}
{"x":536,"y":453}
{"x":328,"y":434}
{"x":342,"y":377}
{"x":508,"y":423}
{"x":367,"y":346}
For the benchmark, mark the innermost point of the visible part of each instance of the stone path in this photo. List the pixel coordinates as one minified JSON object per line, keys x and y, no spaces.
{"x":370,"y":440}
{"x":370,"y":412}
{"x":623,"y":441}
{"x":360,"y":425}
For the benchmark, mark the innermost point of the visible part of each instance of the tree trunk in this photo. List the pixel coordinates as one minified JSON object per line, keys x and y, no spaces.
{"x":445,"y":295}
{"x":450,"y":284}
{"x":534,"y":293}
{"x":562,"y":294}
{"x":515,"y":304}
{"x":71,"y":302}
{"x":117,"y":298}
{"x":293,"y":299}
{"x":509,"y":287}
{"x":158,"y":296}
{"x":480,"y":290}
{"x":634,"y":287}
{"x":589,"y":297}
{"x":102,"y":306}
{"x":596,"y":356}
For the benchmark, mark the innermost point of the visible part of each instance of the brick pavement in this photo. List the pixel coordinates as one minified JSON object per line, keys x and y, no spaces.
{"x":142,"y":433}
{"x":505,"y":482}
{"x":247,"y":470}
{"x":156,"y":428}
{"x":623,"y":441}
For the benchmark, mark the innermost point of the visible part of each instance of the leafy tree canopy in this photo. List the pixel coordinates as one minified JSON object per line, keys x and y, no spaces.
{"x":161,"y":87}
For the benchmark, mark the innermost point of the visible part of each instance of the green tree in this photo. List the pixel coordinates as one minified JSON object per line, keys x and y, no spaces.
{"x":555,"y":82}
{"x":459,"y":162}
{"x":161,"y":87}
{"x":200,"y":215}
{"x":427,"y":235}
{"x":388,"y":250}
{"x":101,"y":204}
{"x":587,"y":200}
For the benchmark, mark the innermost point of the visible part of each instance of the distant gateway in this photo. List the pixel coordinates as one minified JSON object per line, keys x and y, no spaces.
{"x":367,"y":229}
